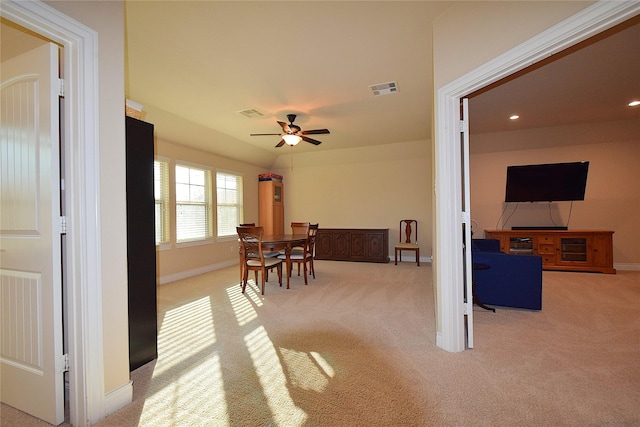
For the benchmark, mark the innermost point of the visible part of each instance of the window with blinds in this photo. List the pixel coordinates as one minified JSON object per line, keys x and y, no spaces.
{"x":229,"y":202}
{"x":193,"y":204}
{"x":161,"y":194}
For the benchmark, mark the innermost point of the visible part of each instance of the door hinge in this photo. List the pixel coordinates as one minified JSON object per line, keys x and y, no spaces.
{"x":63,"y":363}
{"x":61,"y":88}
{"x":467,"y":307}
{"x":63,"y":225}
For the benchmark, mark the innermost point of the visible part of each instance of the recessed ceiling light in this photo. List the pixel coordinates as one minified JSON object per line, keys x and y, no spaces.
{"x":514,"y":117}
{"x":634,"y":103}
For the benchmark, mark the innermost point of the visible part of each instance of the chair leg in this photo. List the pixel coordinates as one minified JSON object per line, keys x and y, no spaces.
{"x":280,"y":274}
{"x":245,"y":279}
{"x":396,"y":255}
{"x":313,"y":269}
{"x":418,"y":256}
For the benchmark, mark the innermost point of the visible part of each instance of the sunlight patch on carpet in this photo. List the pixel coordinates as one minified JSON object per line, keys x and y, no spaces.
{"x":181,"y":398}
{"x":184,"y":331}
{"x":323,"y":364}
{"x":272,"y":378}
{"x":242,"y":308}
{"x":304,"y":371}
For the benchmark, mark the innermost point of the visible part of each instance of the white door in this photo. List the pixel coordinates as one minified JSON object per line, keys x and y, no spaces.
{"x":31,"y":349}
{"x":466,"y":221}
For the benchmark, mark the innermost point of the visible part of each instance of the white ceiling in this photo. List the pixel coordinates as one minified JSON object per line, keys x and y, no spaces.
{"x":591,"y":82}
{"x":194,"y":65}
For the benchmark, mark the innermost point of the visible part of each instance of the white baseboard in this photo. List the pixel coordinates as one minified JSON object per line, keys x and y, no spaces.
{"x":195,"y":272}
{"x":212,"y":267}
{"x":627,"y":266}
{"x":118,"y":398}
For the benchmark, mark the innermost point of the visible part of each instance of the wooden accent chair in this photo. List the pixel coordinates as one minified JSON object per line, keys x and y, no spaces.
{"x":410,"y":242}
{"x":253,"y":257}
{"x":305,"y":257}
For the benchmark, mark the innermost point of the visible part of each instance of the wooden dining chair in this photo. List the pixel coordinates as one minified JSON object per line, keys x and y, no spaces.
{"x":408,"y":233}
{"x":304,"y":257}
{"x":253,"y":256}
{"x":241,"y":263}
{"x":267,"y":254}
{"x":299,"y":227}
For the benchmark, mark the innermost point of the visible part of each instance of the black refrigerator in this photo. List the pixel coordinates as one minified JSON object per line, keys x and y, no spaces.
{"x":141,"y":246}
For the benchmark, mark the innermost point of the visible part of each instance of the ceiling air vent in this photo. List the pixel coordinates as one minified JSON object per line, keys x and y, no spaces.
{"x":384,"y":88}
{"x":251,"y":113}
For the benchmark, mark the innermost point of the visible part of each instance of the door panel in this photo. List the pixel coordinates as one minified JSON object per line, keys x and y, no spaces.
{"x":30,"y":251}
{"x":466,"y":219}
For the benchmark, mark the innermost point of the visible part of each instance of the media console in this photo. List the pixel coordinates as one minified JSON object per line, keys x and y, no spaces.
{"x":571,"y":250}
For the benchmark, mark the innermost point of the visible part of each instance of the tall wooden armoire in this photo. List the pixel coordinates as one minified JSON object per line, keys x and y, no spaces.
{"x":141,"y":244}
{"x":271,"y":205}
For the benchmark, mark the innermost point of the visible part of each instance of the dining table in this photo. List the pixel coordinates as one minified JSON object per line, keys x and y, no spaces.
{"x":284,"y":242}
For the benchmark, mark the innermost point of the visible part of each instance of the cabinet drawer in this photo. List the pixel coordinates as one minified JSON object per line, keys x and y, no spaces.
{"x":546,"y":249}
{"x":549,"y":259}
{"x":545,"y":240}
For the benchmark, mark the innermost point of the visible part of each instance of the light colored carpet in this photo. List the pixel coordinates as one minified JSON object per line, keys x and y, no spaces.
{"x":356,"y":347}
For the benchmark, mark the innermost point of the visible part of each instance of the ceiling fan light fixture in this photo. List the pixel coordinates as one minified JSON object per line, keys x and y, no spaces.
{"x":291,"y":139}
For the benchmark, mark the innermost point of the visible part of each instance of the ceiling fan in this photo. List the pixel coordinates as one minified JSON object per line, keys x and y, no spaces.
{"x":292,"y":134}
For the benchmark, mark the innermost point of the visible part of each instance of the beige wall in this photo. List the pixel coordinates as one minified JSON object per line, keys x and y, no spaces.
{"x":370,"y":188}
{"x":612,"y":199}
{"x":373,"y":187}
{"x":468,"y":34}
{"x":175,"y":261}
{"x":107,"y":19}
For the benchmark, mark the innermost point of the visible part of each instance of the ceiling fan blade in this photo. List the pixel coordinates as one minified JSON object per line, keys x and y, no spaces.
{"x":313,"y":141}
{"x":263,"y":134}
{"x":285,"y":127}
{"x":315,"y":131}
{"x":280,"y":144}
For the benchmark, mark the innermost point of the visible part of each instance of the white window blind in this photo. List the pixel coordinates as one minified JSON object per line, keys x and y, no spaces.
{"x":230,"y":203}
{"x":161,"y":194}
{"x":193,"y":204}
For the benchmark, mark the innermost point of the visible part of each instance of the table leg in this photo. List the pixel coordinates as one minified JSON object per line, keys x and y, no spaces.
{"x":479,"y":303}
{"x":287,"y":252}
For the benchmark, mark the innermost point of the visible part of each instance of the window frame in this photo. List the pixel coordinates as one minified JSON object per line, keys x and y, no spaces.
{"x":165,"y":203}
{"x":209,"y":236}
{"x":231,"y":236}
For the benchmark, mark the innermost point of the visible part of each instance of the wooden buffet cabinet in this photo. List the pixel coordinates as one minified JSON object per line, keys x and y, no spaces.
{"x":353,"y":244}
{"x":572,"y":250}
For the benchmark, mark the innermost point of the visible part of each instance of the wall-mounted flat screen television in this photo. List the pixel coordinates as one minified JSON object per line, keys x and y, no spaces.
{"x":552,"y":182}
